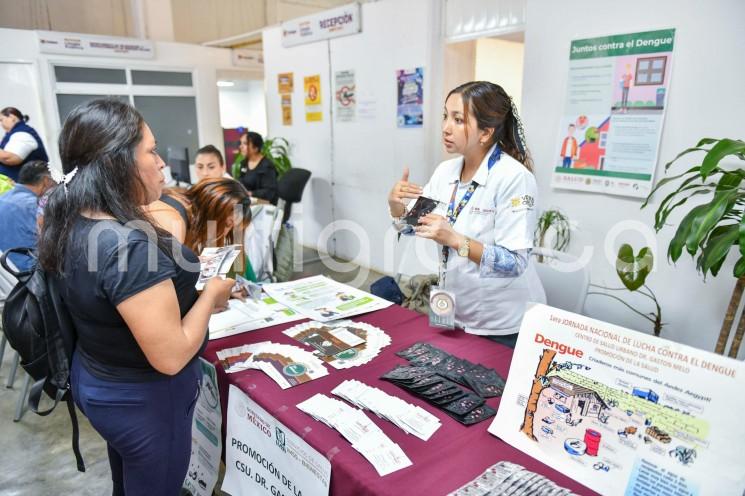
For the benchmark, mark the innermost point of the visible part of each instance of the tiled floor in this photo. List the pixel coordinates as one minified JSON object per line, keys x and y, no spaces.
{"x":35,"y":453}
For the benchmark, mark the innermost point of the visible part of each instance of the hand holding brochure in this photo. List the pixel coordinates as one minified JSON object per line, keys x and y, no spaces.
{"x":216,"y":262}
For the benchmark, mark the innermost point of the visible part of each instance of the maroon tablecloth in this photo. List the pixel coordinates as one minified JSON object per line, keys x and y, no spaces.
{"x":454,"y":455}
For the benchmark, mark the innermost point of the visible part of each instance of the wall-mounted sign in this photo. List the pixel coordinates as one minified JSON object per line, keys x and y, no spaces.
{"x":244,"y":57}
{"x":285,"y":83}
{"x":332,"y":23}
{"x":346,"y":101}
{"x":313,"y":108}
{"x":96,"y":46}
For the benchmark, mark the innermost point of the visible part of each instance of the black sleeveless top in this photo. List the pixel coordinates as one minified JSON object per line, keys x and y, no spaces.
{"x":172,"y":202}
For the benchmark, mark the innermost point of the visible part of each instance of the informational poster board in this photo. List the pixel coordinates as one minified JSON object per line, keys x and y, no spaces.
{"x":206,"y":436}
{"x":609,"y":133}
{"x":345,"y":98}
{"x":410,"y":97}
{"x":623,"y":412}
{"x":313,"y":109}
{"x":263,"y":457}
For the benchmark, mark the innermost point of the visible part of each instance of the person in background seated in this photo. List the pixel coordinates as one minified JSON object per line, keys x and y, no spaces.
{"x":18,"y":211}
{"x":258,"y":173}
{"x":130,"y":290}
{"x":21,"y":143}
{"x":210,"y":164}
{"x":219,"y":213}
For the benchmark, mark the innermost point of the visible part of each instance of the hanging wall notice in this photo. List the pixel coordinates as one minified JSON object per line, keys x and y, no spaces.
{"x":345,"y":106}
{"x":313,"y":109}
{"x":286,"y":110}
{"x":410,"y":97}
{"x":623,"y":412}
{"x":609,"y":133}
{"x":264,"y":457}
{"x":285,"y":83}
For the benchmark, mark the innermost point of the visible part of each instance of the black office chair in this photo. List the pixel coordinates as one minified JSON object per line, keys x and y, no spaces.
{"x":290,"y":189}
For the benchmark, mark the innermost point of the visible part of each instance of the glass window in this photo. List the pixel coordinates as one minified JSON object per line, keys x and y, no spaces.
{"x":65,"y":74}
{"x":173,"y":121}
{"x":68,"y":102}
{"x":161,"y":78}
{"x":650,"y":71}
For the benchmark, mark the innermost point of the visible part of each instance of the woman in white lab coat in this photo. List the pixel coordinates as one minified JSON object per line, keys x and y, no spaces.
{"x":489,"y":196}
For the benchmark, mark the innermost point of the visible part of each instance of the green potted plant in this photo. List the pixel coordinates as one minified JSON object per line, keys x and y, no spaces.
{"x":278,"y":151}
{"x":633,"y":271}
{"x":553,"y":219}
{"x":709,"y":231}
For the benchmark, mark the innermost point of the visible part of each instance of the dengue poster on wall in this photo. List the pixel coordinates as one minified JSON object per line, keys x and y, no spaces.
{"x":206,"y":436}
{"x":623,"y":412}
{"x":345,"y":100}
{"x":410,"y":97}
{"x":313,"y":109}
{"x":264,"y":457}
{"x":609,"y":133}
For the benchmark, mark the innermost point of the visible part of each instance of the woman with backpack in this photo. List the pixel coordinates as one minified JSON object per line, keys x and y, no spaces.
{"x":130,"y":290}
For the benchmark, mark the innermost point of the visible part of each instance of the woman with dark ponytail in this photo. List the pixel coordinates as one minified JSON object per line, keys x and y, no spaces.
{"x":489,"y":196}
{"x":21,"y":143}
{"x":129,"y":288}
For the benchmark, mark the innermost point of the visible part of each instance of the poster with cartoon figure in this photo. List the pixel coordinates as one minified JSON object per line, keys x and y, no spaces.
{"x":623,"y":412}
{"x":206,"y":436}
{"x":610,"y":130}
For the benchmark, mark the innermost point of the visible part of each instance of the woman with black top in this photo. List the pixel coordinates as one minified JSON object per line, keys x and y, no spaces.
{"x":258,"y":173}
{"x":129,"y":288}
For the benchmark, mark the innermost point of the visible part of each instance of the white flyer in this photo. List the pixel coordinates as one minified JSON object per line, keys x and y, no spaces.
{"x":216,"y":262}
{"x":249,"y":316}
{"x":623,"y":412}
{"x":206,"y":436}
{"x":263,"y":457}
{"x":324,"y":299}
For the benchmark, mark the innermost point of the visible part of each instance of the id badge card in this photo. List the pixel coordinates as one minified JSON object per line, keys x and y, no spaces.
{"x":441,"y":308}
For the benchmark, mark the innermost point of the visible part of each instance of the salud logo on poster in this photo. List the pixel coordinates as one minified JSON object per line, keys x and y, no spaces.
{"x":280,"y":437}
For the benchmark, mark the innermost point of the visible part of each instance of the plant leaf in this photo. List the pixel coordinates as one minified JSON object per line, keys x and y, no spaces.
{"x":708,"y":217}
{"x":739,"y":269}
{"x":720,"y":150}
{"x":633,"y":270}
{"x":666,"y":180}
{"x":675,"y":248}
{"x":717,"y":247}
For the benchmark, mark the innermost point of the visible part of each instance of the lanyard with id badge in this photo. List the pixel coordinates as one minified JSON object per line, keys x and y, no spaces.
{"x":442,"y":301}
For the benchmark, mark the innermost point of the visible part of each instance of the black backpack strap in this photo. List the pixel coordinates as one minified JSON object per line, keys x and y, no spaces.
{"x":34,"y":397}
{"x":75,"y":433}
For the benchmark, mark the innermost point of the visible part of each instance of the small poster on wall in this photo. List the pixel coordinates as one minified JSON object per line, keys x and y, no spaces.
{"x":286,"y":110}
{"x":410,"y":97}
{"x":609,"y":133}
{"x":313,"y":109}
{"x":345,"y":106}
{"x":623,"y":412}
{"x":284,"y":83}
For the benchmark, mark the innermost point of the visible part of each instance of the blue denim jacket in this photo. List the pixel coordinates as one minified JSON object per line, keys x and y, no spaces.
{"x":18,"y":223}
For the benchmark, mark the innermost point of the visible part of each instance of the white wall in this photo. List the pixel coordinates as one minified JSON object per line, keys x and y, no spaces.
{"x":706,"y":98}
{"x":355,"y":164}
{"x":501,"y":62}
{"x":244,"y":105}
{"x":22,"y":45}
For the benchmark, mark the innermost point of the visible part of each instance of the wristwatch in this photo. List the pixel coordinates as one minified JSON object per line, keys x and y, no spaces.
{"x":464,"y":248}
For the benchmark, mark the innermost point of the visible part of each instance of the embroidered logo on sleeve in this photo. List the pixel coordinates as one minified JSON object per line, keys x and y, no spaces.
{"x":524,"y":202}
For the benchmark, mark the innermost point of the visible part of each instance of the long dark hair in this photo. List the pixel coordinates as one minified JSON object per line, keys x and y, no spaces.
{"x":215,"y":201}
{"x":100,"y":138}
{"x":493,"y":108}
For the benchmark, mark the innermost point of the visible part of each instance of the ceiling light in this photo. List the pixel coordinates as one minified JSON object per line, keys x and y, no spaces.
{"x":225,"y":84}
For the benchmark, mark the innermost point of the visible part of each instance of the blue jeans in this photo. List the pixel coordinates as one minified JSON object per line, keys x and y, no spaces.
{"x":567,"y":162}
{"x":146,"y":425}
